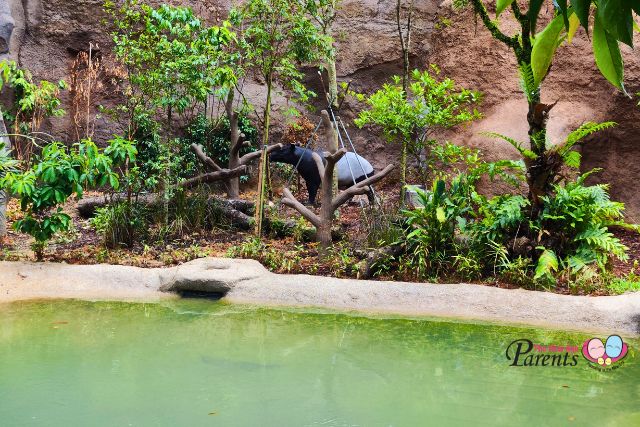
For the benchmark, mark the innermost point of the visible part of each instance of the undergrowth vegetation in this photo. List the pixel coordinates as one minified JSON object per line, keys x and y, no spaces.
{"x":185,"y":133}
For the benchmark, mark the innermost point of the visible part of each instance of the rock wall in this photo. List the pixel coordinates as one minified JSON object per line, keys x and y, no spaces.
{"x":466,"y":52}
{"x":49,"y":34}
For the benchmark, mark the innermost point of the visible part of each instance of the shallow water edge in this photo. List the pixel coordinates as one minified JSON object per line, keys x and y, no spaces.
{"x":248,"y":282}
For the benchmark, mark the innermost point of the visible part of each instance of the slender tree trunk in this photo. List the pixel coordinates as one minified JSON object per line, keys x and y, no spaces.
{"x":541,"y":171}
{"x":324,"y":230}
{"x":405,"y":41}
{"x":403,"y":167}
{"x":167,"y":172}
{"x":263,"y":160}
{"x":333,"y":101}
{"x":233,"y":185}
{"x":4,"y":195}
{"x":405,"y":45}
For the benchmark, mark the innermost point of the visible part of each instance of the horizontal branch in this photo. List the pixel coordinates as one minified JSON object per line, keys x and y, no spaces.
{"x":214,"y":176}
{"x":290,"y":201}
{"x":255,"y":154}
{"x":359,"y":188}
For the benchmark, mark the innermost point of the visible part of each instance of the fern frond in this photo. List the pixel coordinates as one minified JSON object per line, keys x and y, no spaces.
{"x":528,"y":81}
{"x":600,"y":240}
{"x":516,"y":144}
{"x":582,"y":132}
{"x":547,"y":265}
{"x":572,"y":159}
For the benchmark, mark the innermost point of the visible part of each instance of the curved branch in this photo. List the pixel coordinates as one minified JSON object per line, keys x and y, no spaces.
{"x":256,"y":154}
{"x":359,"y":188}
{"x":481,"y":10}
{"x":335,"y":157}
{"x":220,"y":175}
{"x":316,"y":158}
{"x":208,"y":161}
{"x":290,"y":200}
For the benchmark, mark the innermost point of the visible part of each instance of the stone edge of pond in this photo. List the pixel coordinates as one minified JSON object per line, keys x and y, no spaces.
{"x":248,"y":282}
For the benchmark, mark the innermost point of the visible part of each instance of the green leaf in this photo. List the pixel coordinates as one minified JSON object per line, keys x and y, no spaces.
{"x":574,"y":24}
{"x":581,"y":8}
{"x":544,"y":47}
{"x":547,"y":264}
{"x":608,"y":57}
{"x":562,"y":6}
{"x":617,"y":19}
{"x":501,"y":5}
{"x":534,"y":11}
{"x":440,"y":215}
{"x":572,"y":159}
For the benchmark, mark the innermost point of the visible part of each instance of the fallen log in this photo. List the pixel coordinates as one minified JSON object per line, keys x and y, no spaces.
{"x":371,"y":264}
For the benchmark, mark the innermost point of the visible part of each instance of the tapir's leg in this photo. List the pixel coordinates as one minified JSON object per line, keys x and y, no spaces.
{"x":312,"y":188}
{"x":371,"y":196}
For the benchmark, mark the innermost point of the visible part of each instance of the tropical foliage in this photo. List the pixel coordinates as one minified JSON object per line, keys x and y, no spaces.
{"x":413,"y":119}
{"x":58,"y":174}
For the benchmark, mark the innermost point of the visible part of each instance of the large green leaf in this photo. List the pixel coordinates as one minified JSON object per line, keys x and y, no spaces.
{"x":547,"y":264}
{"x":501,"y":5}
{"x":607,"y":53}
{"x":581,"y":8}
{"x":564,"y":11}
{"x":534,"y":11}
{"x":574,"y":24}
{"x":544,"y":47}
{"x":616,"y":18}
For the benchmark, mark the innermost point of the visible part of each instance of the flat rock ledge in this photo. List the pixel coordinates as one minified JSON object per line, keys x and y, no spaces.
{"x":248,"y":282}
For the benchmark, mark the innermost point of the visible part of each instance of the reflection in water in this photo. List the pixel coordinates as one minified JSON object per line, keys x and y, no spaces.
{"x":191,"y":363}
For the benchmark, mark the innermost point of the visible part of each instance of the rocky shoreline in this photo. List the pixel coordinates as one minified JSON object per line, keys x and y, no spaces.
{"x":248,"y":282}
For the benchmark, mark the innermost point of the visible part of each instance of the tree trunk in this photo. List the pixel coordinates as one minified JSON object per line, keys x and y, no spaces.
{"x":263,"y":160}
{"x":326,"y":212}
{"x":235,"y":144}
{"x":4,"y":196}
{"x":333,"y":101}
{"x":405,"y":45}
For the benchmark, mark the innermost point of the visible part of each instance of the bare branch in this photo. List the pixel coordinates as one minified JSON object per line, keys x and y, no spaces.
{"x":255,"y":154}
{"x":316,"y":157}
{"x":220,"y":175}
{"x":199,"y":151}
{"x":335,"y":157}
{"x":290,"y":200}
{"x":359,"y":188}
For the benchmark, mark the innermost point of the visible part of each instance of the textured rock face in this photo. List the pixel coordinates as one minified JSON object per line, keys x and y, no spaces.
{"x":6,"y":26}
{"x":48,"y":35}
{"x":467,"y":54}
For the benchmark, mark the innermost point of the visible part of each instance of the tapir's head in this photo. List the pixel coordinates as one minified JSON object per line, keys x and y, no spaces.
{"x":287,"y":154}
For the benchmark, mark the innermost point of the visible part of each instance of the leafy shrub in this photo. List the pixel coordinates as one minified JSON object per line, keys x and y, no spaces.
{"x":570,"y":235}
{"x":121,"y":224}
{"x":433,"y":229}
{"x":412,"y":117}
{"x":56,"y":175}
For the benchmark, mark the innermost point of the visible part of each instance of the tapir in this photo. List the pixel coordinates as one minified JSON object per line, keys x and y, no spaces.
{"x":307,"y":167}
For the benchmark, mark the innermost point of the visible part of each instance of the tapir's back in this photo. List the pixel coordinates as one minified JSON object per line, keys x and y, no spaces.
{"x":349,"y":163}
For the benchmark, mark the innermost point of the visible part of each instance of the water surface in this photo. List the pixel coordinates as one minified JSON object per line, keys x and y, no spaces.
{"x":204,"y":363}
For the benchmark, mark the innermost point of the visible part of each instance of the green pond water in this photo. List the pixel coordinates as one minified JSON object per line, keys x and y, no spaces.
{"x":204,"y":363}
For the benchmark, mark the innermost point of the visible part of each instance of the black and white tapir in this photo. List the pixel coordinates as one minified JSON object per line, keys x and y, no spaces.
{"x":307,"y":167}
